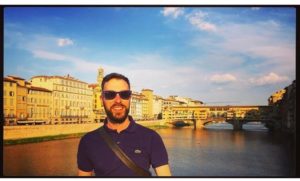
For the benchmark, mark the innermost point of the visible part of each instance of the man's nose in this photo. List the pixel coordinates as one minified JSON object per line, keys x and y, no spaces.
{"x":118,"y":98}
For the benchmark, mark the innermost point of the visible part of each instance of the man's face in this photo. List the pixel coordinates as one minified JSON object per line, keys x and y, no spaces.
{"x":117,"y":109}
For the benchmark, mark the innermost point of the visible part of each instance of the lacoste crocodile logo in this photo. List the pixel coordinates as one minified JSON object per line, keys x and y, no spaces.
{"x":137,"y":151}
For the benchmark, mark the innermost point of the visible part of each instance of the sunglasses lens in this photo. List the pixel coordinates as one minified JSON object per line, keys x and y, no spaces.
{"x":109,"y":94}
{"x":112,"y":94}
{"x":125,"y":94}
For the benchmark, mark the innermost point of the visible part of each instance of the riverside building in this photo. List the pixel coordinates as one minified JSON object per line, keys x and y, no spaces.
{"x":206,"y":112}
{"x":148,"y":108}
{"x":15,"y":100}
{"x":138,"y":105}
{"x":97,"y":107}
{"x":9,"y":101}
{"x":71,"y":98}
{"x":39,"y":105}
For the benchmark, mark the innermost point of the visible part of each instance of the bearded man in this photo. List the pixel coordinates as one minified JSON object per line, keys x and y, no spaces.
{"x":142,"y":145}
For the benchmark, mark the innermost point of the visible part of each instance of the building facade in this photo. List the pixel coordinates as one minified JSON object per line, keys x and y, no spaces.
{"x":206,"y":112}
{"x":148,"y":109}
{"x":39,"y":105}
{"x":157,"y":107}
{"x":277,"y":96}
{"x":283,"y":112}
{"x":15,"y":100}
{"x":98,"y":109}
{"x":71,"y":98}
{"x":9,"y":101}
{"x":137,"y":105}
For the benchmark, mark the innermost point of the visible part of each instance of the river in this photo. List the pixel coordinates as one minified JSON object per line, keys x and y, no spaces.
{"x":216,"y":151}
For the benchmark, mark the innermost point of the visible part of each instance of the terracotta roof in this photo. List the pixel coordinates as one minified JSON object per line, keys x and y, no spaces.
{"x":147,"y":90}
{"x":60,"y":77}
{"x":39,"y":89}
{"x":93,"y":85}
{"x":9,"y":80}
{"x":15,"y":77}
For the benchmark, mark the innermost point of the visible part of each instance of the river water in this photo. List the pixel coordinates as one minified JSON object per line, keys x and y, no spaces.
{"x":216,"y":151}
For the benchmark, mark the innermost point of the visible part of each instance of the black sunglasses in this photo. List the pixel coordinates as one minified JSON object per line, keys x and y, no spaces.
{"x":112,"y":94}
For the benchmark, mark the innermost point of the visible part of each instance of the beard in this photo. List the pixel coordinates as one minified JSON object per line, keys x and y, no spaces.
{"x":116,"y":118}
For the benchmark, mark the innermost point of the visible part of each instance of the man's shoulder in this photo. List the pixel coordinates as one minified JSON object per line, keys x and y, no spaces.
{"x":91,"y":135}
{"x":145,"y":129}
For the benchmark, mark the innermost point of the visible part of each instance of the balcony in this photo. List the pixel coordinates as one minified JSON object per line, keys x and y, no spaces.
{"x":71,"y":117}
{"x":10,"y":116}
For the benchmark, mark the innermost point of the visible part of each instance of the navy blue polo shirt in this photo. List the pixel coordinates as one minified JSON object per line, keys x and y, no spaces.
{"x":143,"y":145}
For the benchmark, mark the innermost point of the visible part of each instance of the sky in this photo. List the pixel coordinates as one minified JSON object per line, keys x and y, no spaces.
{"x":218,"y":55}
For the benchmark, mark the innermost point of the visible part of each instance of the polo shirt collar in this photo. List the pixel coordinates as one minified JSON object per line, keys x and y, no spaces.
{"x":131,"y":127}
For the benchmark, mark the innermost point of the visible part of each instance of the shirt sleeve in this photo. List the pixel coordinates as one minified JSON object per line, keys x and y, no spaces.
{"x":83,"y":161}
{"x":159,"y":155}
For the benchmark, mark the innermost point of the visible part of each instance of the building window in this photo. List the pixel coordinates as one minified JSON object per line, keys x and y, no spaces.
{"x":11,"y":93}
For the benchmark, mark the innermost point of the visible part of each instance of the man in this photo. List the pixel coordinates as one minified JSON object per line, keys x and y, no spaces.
{"x":143,"y":145}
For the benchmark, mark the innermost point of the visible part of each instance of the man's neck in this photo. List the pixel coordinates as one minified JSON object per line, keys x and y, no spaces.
{"x":118,"y":126}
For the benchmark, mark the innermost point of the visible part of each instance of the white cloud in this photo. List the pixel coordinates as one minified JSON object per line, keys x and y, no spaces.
{"x":271,"y":78}
{"x":173,"y":12}
{"x":80,"y":65}
{"x":253,"y":39}
{"x":48,"y":55}
{"x":265,"y":41}
{"x":61,"y":42}
{"x":197,"y":19}
{"x":222,"y":78}
{"x":273,"y":24}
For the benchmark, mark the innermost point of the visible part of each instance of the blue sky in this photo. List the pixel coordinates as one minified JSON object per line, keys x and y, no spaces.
{"x":220,"y":55}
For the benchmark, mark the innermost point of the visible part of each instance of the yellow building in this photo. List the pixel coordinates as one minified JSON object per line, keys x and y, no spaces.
{"x":171,"y":103}
{"x":241,"y":112}
{"x":20,"y":99}
{"x":185,"y":112}
{"x":148,"y":93}
{"x":277,"y":96}
{"x":137,"y":105}
{"x":98,"y":109}
{"x":157,"y":106}
{"x":218,"y":111}
{"x":71,"y":98}
{"x":39,"y":105}
{"x":206,"y":112}
{"x":9,"y":101}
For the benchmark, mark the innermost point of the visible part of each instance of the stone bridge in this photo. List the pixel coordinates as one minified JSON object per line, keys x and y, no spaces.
{"x":237,"y":123}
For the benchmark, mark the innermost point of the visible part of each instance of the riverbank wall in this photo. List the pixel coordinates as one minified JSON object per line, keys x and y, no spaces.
{"x":34,"y":131}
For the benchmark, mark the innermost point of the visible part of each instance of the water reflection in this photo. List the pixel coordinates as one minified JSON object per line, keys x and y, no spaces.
{"x":223,"y":152}
{"x":202,"y":152}
{"x":51,"y":158}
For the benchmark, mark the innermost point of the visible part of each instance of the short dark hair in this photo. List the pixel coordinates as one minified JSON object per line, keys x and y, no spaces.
{"x":110,"y":76}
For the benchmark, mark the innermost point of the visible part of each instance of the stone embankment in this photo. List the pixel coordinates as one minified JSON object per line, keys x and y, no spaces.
{"x":33,"y":131}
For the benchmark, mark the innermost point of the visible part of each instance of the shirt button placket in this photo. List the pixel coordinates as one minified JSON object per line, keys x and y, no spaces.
{"x":118,"y":139}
